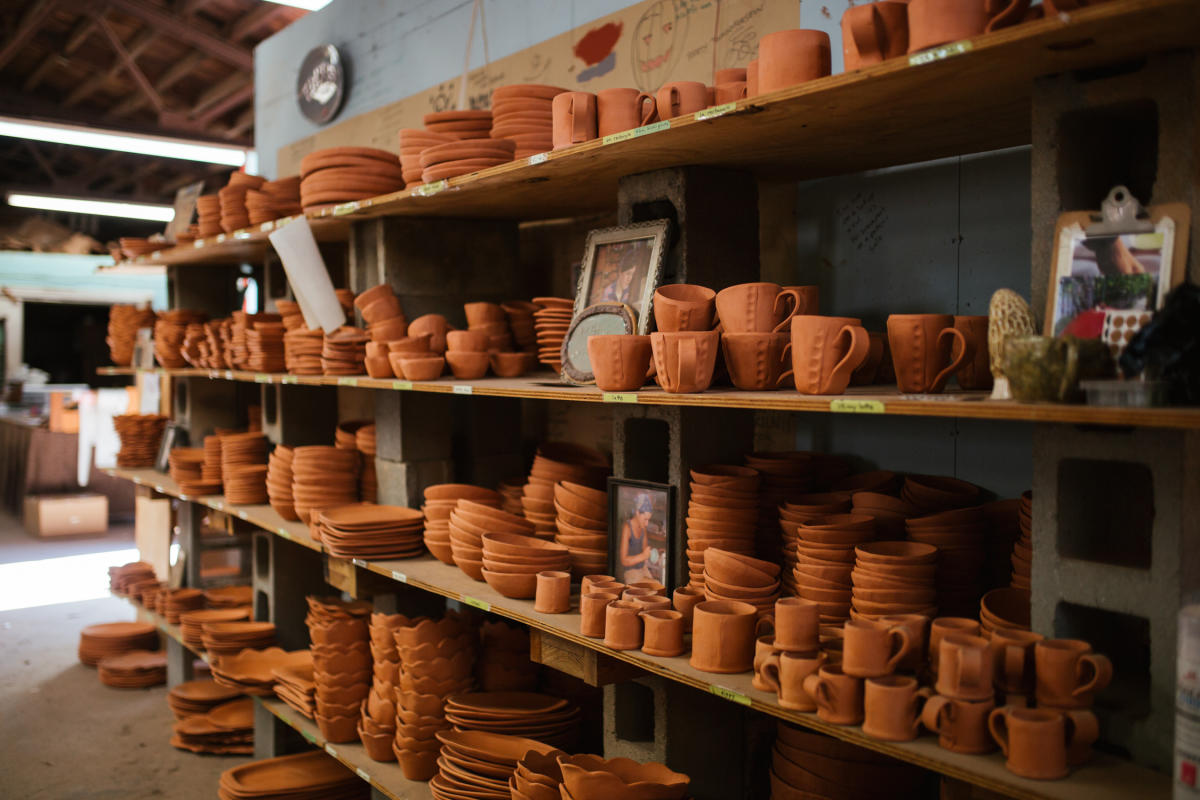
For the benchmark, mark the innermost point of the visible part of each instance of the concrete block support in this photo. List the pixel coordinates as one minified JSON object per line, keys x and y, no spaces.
{"x":284,"y":573}
{"x":180,"y":663}
{"x":299,"y":415}
{"x":202,"y":405}
{"x":272,"y":737}
{"x":402,"y":483}
{"x":412,"y":426}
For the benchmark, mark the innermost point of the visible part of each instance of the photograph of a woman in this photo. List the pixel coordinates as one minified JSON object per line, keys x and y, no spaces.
{"x":640,"y":531}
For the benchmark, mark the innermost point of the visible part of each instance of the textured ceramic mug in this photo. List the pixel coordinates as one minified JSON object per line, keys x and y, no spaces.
{"x":759,"y":307}
{"x":839,"y":696}
{"x":921,"y":346}
{"x":685,"y":360}
{"x":825,"y":352}
{"x":1012,"y":660}
{"x":874,"y":32}
{"x":1069,"y":673}
{"x":620,"y":362}
{"x":755,"y":360}
{"x":684,"y":307}
{"x":892,"y":707}
{"x":574,"y":118}
{"x":787,"y":672}
{"x":965,"y":668}
{"x":961,"y":725}
{"x":790,"y":57}
{"x":1037,"y":742}
{"x":936,"y":22}
{"x":681,"y":97}
{"x":871,"y":649}
{"x":620,"y":110}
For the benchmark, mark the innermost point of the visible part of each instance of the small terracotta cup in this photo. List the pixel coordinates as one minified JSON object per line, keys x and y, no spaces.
{"x":961,"y":725}
{"x":976,"y":373}
{"x":943,"y":626}
{"x":624,"y":109}
{"x":797,"y":623}
{"x":1012,"y":660}
{"x":787,"y":673}
{"x":466,"y":342}
{"x":729,"y":92}
{"x":729,"y":75}
{"x":917,"y":626}
{"x":764,"y":652}
{"x":685,"y":601}
{"x":755,"y":360}
{"x":790,"y":57}
{"x":723,"y":634}
{"x":663,"y":632}
{"x":839,"y":697}
{"x":921,"y":346}
{"x":433,"y":325}
{"x":684,"y":307}
{"x":681,"y":97}
{"x":936,"y":22}
{"x":654,"y":586}
{"x":620,"y":362}
{"x":758,"y":307}
{"x":871,"y":649}
{"x":654,"y":601}
{"x":873,"y":33}
{"x":1038,"y":743}
{"x":825,"y":352}
{"x":685,"y":360}
{"x":1069,"y":673}
{"x":752,"y":78}
{"x":410,"y":344}
{"x":965,"y":668}
{"x":593,"y":610}
{"x":623,"y":625}
{"x":552,"y":594}
{"x":892,"y":707}
{"x":588,"y":582}
{"x":574,"y":118}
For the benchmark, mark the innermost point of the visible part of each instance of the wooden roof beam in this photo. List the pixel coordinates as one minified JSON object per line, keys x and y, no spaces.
{"x":135,"y":48}
{"x":131,"y":66}
{"x":58,"y":56}
{"x":30,"y":21}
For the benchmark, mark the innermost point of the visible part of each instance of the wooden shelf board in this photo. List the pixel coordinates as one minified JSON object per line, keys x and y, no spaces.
{"x":1103,"y":777}
{"x":245,"y":245}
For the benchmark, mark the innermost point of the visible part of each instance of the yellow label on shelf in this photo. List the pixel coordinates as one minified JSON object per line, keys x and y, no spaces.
{"x":430,"y":189}
{"x":480,"y":604}
{"x":345,"y":208}
{"x":730,"y":694}
{"x":938,"y":53}
{"x":267,"y":226}
{"x":460,"y":388}
{"x":618,"y":137}
{"x":262,"y":377}
{"x":331,"y":750}
{"x":308,"y":737}
{"x":402,"y":386}
{"x":283,"y":534}
{"x":653,"y":127}
{"x":220,"y":238}
{"x":289,"y":379}
{"x":399,"y":576}
{"x":715,"y":111}
{"x":358,"y":562}
{"x":856,"y":405}
{"x":347,"y":382}
{"x":198,"y":243}
{"x":538,"y":158}
{"x":362,"y":773}
{"x":619,"y":397}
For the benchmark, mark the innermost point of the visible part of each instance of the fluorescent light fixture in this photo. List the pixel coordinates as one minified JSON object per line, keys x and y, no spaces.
{"x":307,"y":5}
{"x":161,"y":146}
{"x":105,"y":208}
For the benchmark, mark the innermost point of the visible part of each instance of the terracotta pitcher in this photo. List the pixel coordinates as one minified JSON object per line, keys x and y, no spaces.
{"x":755,"y":360}
{"x":684,"y":307}
{"x":574,"y":116}
{"x":921,"y":345}
{"x":965,"y":668}
{"x":839,"y":696}
{"x":758,"y":307}
{"x":961,"y":725}
{"x":1037,"y":742}
{"x":825,"y":353}
{"x":787,"y":672}
{"x":723,"y":634}
{"x":874,"y":32}
{"x":681,"y":97}
{"x":620,"y":110}
{"x":935,"y":22}
{"x":892,"y":707}
{"x":790,"y":57}
{"x":1069,"y":673}
{"x":620,"y":362}
{"x":684,"y":360}
{"x":976,"y":373}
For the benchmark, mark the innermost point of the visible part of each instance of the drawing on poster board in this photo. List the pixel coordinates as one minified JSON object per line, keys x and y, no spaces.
{"x":657,"y":44}
{"x":597,"y":50}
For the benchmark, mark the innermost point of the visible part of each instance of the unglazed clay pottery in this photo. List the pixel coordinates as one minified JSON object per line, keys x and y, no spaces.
{"x":1069,"y":673}
{"x":839,"y":696}
{"x":729,"y":92}
{"x":936,"y":22}
{"x":467,"y":366}
{"x":755,"y":360}
{"x":874,"y":32}
{"x":593,"y":610}
{"x":921,"y":346}
{"x":681,"y":97}
{"x":943,"y":627}
{"x":825,"y":352}
{"x":663,"y":632}
{"x":622,"y":625}
{"x":619,"y":362}
{"x":965,"y":667}
{"x":1013,"y":660}
{"x":871,"y":649}
{"x":436,"y":326}
{"x":422,"y":368}
{"x":976,"y":373}
{"x":685,"y":601}
{"x":684,"y":307}
{"x":684,"y":360}
{"x":788,"y":673}
{"x":892,"y":708}
{"x":758,"y":307}
{"x":466,"y":341}
{"x":796,"y":622}
{"x":752,"y":78}
{"x":574,"y":118}
{"x":624,"y":109}
{"x":916,"y":625}
{"x":1036,"y":742}
{"x":961,"y":725}
{"x":723,"y":634}
{"x":553,"y":593}
{"x":790,"y":57}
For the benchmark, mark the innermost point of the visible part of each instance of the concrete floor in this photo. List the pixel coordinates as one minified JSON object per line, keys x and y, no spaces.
{"x":64,"y":735}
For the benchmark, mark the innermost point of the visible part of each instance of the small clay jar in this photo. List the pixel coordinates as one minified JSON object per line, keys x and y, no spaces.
{"x":961,"y":725}
{"x":797,"y":624}
{"x":681,"y":97}
{"x":624,"y":109}
{"x":1037,"y":743}
{"x":654,"y":601}
{"x":976,"y":373}
{"x":916,"y":625}
{"x":637,"y":592}
{"x":553,"y":592}
{"x":790,"y":57}
{"x":593,"y":609}
{"x":873,"y":33}
{"x":965,"y":668}
{"x":685,"y":601}
{"x":1012,"y":660}
{"x":755,"y":361}
{"x":654,"y":586}
{"x":574,"y":118}
{"x":921,"y":345}
{"x":684,"y":307}
{"x":871,"y":649}
{"x":892,"y":707}
{"x":839,"y":697}
{"x":1069,"y":673}
{"x":941,"y":627}
{"x":587,"y":583}
{"x":825,"y":352}
{"x":663,"y":633}
{"x":616,"y":587}
{"x":620,"y":362}
{"x":787,"y":673}
{"x":723,"y":634}
{"x":685,"y":360}
{"x":623,"y":625}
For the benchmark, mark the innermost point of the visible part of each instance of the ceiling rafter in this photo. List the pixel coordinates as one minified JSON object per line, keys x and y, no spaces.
{"x":31,"y":20}
{"x":130,"y":62}
{"x":137,"y":45}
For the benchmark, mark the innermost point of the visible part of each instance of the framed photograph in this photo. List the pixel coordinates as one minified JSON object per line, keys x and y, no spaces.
{"x":623,"y":265}
{"x":640,"y":522}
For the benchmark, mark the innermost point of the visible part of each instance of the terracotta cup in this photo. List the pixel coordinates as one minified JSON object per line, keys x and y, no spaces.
{"x":965,"y":667}
{"x":758,"y":307}
{"x":1069,"y":673}
{"x":797,"y":624}
{"x":433,"y":325}
{"x":729,"y":92}
{"x":681,"y":97}
{"x":684,"y":307}
{"x":825,"y":352}
{"x":755,"y":360}
{"x":588,"y":582}
{"x":961,"y":725}
{"x":574,"y":118}
{"x":1038,"y":743}
{"x":935,"y":22}
{"x":1012,"y":660}
{"x":623,"y":109}
{"x":765,"y":652}
{"x":723,"y":634}
{"x":976,"y":373}
{"x":921,"y":346}
{"x":466,"y":342}
{"x":892,"y":707}
{"x":685,"y":601}
{"x":871,"y":649}
{"x":552,"y":594}
{"x":788,"y":672}
{"x":790,"y":57}
{"x":729,"y":75}
{"x":874,"y":32}
{"x":623,"y":625}
{"x":942,"y":627}
{"x":663,"y":632}
{"x":752,"y":78}
{"x":685,"y":360}
{"x":917,"y":626}
{"x":620,"y":362}
{"x":593,"y":610}
{"x":839,"y":697}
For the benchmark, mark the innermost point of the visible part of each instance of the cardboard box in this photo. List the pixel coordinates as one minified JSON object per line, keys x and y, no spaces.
{"x":66,"y":514}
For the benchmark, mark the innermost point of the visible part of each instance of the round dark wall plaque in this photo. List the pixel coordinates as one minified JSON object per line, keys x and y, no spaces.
{"x":321,"y":85}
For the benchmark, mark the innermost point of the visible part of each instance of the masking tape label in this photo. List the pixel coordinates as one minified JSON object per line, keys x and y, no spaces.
{"x":402,"y":386}
{"x":730,"y":694}
{"x":938,"y":53}
{"x":347,"y":382}
{"x":538,"y":158}
{"x":619,"y":397}
{"x":345,"y":208}
{"x":462,"y":389}
{"x":715,"y":111}
{"x":480,"y":604}
{"x":399,"y":576}
{"x":856,"y":405}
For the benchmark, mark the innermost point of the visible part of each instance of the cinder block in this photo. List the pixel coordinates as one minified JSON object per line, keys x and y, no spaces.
{"x":202,"y":405}
{"x":284,"y":574}
{"x":412,"y":426}
{"x":402,"y":483}
{"x":297,"y":416}
{"x":635,"y":719}
{"x":486,"y":425}
{"x":212,"y":289}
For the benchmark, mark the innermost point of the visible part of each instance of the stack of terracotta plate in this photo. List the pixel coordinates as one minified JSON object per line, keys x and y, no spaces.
{"x":458,"y":125}
{"x":890,"y":513}
{"x":169,"y":332}
{"x":323,"y":477}
{"x":279,"y":482}
{"x":304,"y":776}
{"x":246,"y":484}
{"x":551,"y":320}
{"x":511,"y":491}
{"x":504,"y":664}
{"x":511,"y":562}
{"x":412,"y":142}
{"x":343,"y":351}
{"x":294,"y":685}
{"x":274,"y":200}
{"x":547,"y":719}
{"x":146,"y":592}
{"x":554,"y":462}
{"x":894,"y":578}
{"x":211,"y":470}
{"x":1008,"y":607}
{"x":782,"y":476}
{"x":253,"y":671}
{"x":242,"y":449}
{"x":134,"y":246}
{"x":135,"y":669}
{"x":368,"y":481}
{"x":185,"y":238}
{"x":478,"y":764}
{"x":469,"y":521}
{"x":722,"y":512}
{"x":1022,"y":552}
{"x":233,"y":200}
{"x":341,"y":659}
{"x":229,"y":596}
{"x":810,"y":766}
{"x":198,"y":697}
{"x":452,"y":159}
{"x":931,"y":493}
{"x":122,"y":577}
{"x":231,"y":638}
{"x":343,"y":174}
{"x":521,"y":323}
{"x":302,"y":351}
{"x":290,"y":314}
{"x":372,"y":531}
{"x":240,"y":326}
{"x":191,"y":623}
{"x":208,"y":215}
{"x":175,"y":601}
{"x":825,"y":556}
{"x":581,"y":519}
{"x":961,"y":538}
{"x":440,"y":500}
{"x":734,"y":576}
{"x":264,"y":343}
{"x":140,"y":435}
{"x":226,"y":729}
{"x":523,"y":113}
{"x":124,"y":321}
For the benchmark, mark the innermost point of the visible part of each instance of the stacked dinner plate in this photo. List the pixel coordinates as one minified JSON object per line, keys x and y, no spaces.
{"x":279,"y":482}
{"x":264,"y":346}
{"x":550,"y":720}
{"x":456,"y":158}
{"x":302,"y":351}
{"x":894,"y":578}
{"x":478,"y":764}
{"x":440,"y":500}
{"x":175,"y":601}
{"x":231,"y":638}
{"x":512,"y":561}
{"x":191,"y":623}
{"x":208,"y":215}
{"x":581,"y":519}
{"x":459,"y":124}
{"x":343,"y":352}
{"x":294,"y":685}
{"x":246,"y":484}
{"x":961,"y":537}
{"x":290,"y":314}
{"x":241,"y":325}
{"x":170,"y":329}
{"x":253,"y":671}
{"x":240,"y":449}
{"x":341,"y":659}
{"x":186,"y":464}
{"x":140,"y":435}
{"x":373,"y":532}
{"x":211,"y":471}
{"x":233,"y":200}
{"x":551,"y":321}
{"x":229,"y":596}
{"x":112,"y":638}
{"x":323,"y":477}
{"x":343,"y":174}
{"x":469,"y":521}
{"x":304,"y":776}
{"x":226,"y":729}
{"x":733,"y":576}
{"x":124,"y":321}
{"x":809,"y":766}
{"x":198,"y":697}
{"x":722,"y":512}
{"x":274,"y":200}
{"x":523,"y":113}
{"x":413,"y":141}
{"x":135,"y":669}
{"x":121,"y":578}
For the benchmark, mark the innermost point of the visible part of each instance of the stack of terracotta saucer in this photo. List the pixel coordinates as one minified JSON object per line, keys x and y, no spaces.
{"x":1008,"y":607}
{"x":140,"y":435}
{"x":521,"y":323}
{"x":932,"y":493}
{"x":184,"y":238}
{"x":551,"y":321}
{"x":134,"y":246}
{"x":825,"y":557}
{"x":279,"y":482}
{"x":960,"y":536}
{"x":459,"y":124}
{"x":211,"y":471}
{"x":504,"y":664}
{"x":304,"y":776}
{"x":135,"y":669}
{"x":242,"y":449}
{"x":452,"y":159}
{"x":811,"y":765}
{"x":890,"y":513}
{"x":185,"y":464}
{"x":413,"y":141}
{"x":226,"y":729}
{"x":208,"y":215}
{"x":122,"y":577}
{"x":175,"y":601}
{"x":341,"y":664}
{"x":1022,"y":552}
{"x":264,"y":343}
{"x":198,"y":697}
{"x":253,"y":671}
{"x":229,"y":596}
{"x":368,"y":481}
{"x":722,"y":512}
{"x":290,"y":314}
{"x":523,"y":113}
{"x":783,"y":476}
{"x":170,"y":329}
{"x":231,"y":638}
{"x":323,"y":477}
{"x":511,"y":491}
{"x":550,"y":720}
{"x":343,"y":351}
{"x":581,"y":521}
{"x":274,"y":200}
{"x":294,"y":685}
{"x":478,"y":764}
{"x":469,"y":521}
{"x":191,"y":623}
{"x":343,"y":174}
{"x":246,"y":484}
{"x":734,"y":576}
{"x":440,"y":500}
{"x":302,"y":351}
{"x":894,"y":578}
{"x":124,"y":321}
{"x":241,"y":325}
{"x":372,"y":531}
{"x":511,"y":562}
{"x":233,"y":200}
{"x":194,"y":346}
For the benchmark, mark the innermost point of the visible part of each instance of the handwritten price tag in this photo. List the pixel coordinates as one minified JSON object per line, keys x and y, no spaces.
{"x":619,"y":397}
{"x":480,"y":604}
{"x":938,"y":53}
{"x":538,"y":158}
{"x":856,"y":405}
{"x":399,"y":576}
{"x":345,"y":208}
{"x":402,"y":386}
{"x":462,"y":389}
{"x":715,"y":111}
{"x":730,"y":694}
{"x":430,"y":189}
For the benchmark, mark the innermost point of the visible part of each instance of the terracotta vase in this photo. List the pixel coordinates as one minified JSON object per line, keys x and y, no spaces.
{"x":825,"y":352}
{"x":723,"y":634}
{"x":839,"y":697}
{"x":944,"y":626}
{"x":663,"y":632}
{"x":797,"y":623}
{"x":976,"y":373}
{"x":681,"y":97}
{"x":623,"y":625}
{"x":620,"y":362}
{"x":892,"y":708}
{"x":936,"y":22}
{"x":574,"y":118}
{"x":961,"y":725}
{"x":1012,"y":660}
{"x":787,"y":672}
{"x":684,"y":307}
{"x":921,"y":345}
{"x":917,"y":626}
{"x":684,"y":360}
{"x":752,"y":78}
{"x":685,"y":601}
{"x":790,"y":57}
{"x":553,"y":592}
{"x":755,"y":360}
{"x":871,"y":649}
{"x":729,"y":92}
{"x":965,"y":668}
{"x":624,"y":109}
{"x":758,"y":307}
{"x":873,"y":33}
{"x":1037,"y":742}
{"x":1069,"y":673}
{"x":593,"y":611}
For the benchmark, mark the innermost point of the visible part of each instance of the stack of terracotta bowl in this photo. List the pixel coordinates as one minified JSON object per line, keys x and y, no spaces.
{"x":208,"y":215}
{"x":551,"y":320}
{"x":343,"y":352}
{"x":537,"y":506}
{"x":211,"y":471}
{"x":274,"y":200}
{"x":425,"y":363}
{"x":198,"y":697}
{"x":511,"y":562}
{"x":554,"y":462}
{"x":807,"y":765}
{"x":722,"y":512}
{"x":590,"y":777}
{"x":469,"y":521}
{"x":477,"y":764}
{"x":961,"y":537}
{"x":303,"y":776}
{"x":783,"y":476}
{"x":134,"y":246}
{"x":344,"y":174}
{"x":440,"y":500}
{"x":279,"y":482}
{"x":121,"y":578}
{"x":894,"y":578}
{"x":341,"y":664}
{"x":323,"y":477}
{"x":1004,"y":608}
{"x":170,"y":329}
{"x":186,"y":464}
{"x":377,"y":725}
{"x":124,"y":321}
{"x":233,"y":200}
{"x":467,"y":354}
{"x":456,"y":158}
{"x":791,"y":516}
{"x":191,"y":623}
{"x":521,"y":324}
{"x":932,"y":493}
{"x":231,"y":638}
{"x":290,"y":314}
{"x":825,"y":556}
{"x":135,"y":669}
{"x":264,"y":345}
{"x":380,"y":309}
{"x":523,"y":113}
{"x":504,"y":664}
{"x":372,"y":531}
{"x":237,"y":596}
{"x":550,"y":720}
{"x":345,"y":435}
{"x":226,"y":729}
{"x":457,"y":125}
{"x":734,"y":576}
{"x":491,"y":320}
{"x":368,"y":480}
{"x":246,"y":484}
{"x":890,"y":513}
{"x":140,"y":435}
{"x":1022,"y":553}
{"x":175,"y":601}
{"x":581,"y":521}
{"x":295,"y":686}
{"x":345,"y":299}
{"x":253,"y":671}
{"x":538,"y":776}
{"x":302,"y":351}
{"x":413,"y":141}
{"x":511,"y":492}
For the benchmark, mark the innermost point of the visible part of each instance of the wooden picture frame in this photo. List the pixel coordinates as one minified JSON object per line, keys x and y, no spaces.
{"x":627,"y":498}
{"x":623,"y":265}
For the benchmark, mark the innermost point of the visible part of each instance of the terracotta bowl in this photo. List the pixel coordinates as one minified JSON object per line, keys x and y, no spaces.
{"x":388,"y":330}
{"x":728,"y":476}
{"x":869,"y":581}
{"x":923,"y":597}
{"x":509,"y":365}
{"x":837,"y":574}
{"x":514,"y":585}
{"x":739,"y":592}
{"x":410,"y":344}
{"x":831,"y":536}
{"x":466,"y":341}
{"x":824,"y":595}
{"x":899,"y":572}
{"x":467,"y":366}
{"x":1010,"y":606}
{"x":802,"y":579}
{"x":378,"y":367}
{"x":841,"y":555}
{"x":423,"y":368}
{"x":471,"y":567}
{"x":897,"y":553}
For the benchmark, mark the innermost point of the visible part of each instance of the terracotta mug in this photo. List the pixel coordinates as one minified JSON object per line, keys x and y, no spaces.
{"x":788,"y":672}
{"x":685,"y":601}
{"x":839,"y":697}
{"x":825,"y":353}
{"x":729,"y":75}
{"x":574,"y":118}
{"x":936,"y":22}
{"x":916,"y":625}
{"x":944,"y":626}
{"x":892,"y":707}
{"x":684,"y":307}
{"x":810,"y":298}
{"x":623,"y":109}
{"x":797,"y":624}
{"x":921,"y":346}
{"x":685,"y":360}
{"x":1069,"y":673}
{"x":758,"y":307}
{"x":663,"y":632}
{"x":1037,"y":743}
{"x":620,"y":362}
{"x":552,"y":594}
{"x":623,"y":625}
{"x":755,"y":360}
{"x":681,"y":97}
{"x":790,"y":57}
{"x":764,"y":652}
{"x":871,"y":649}
{"x":588,"y":582}
{"x":752,"y":78}
{"x":961,"y":725}
{"x":1012,"y":660}
{"x":723,"y":635}
{"x":976,"y":373}
{"x":593,"y":610}
{"x":873,"y":33}
{"x":965,"y":668}
{"x":729,"y":92}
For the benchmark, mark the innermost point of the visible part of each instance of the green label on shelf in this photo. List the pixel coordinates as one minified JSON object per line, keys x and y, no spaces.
{"x":730,"y":694}
{"x":653,"y":127}
{"x":345,"y":208}
{"x":347,"y":382}
{"x":262,"y":377}
{"x":619,"y":397}
{"x":430,"y":189}
{"x":220,"y":238}
{"x":289,"y":379}
{"x":362,"y":773}
{"x":480,"y":604}
{"x":938,"y":53}
{"x":308,"y":736}
{"x":266,"y":226}
{"x":618,"y":137}
{"x":402,"y":386}
{"x":242,"y":234}
{"x":228,"y":375}
{"x":198,"y":243}
{"x":462,"y":389}
{"x":284,"y":534}
{"x":715,"y":111}
{"x":399,"y":576}
{"x":538,"y":158}
{"x":856,"y":405}
{"x":330,"y":749}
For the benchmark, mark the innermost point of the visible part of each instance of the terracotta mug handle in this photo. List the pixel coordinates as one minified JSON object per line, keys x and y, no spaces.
{"x":787,"y":373}
{"x":769,"y":619}
{"x":1003,"y":16}
{"x":898,"y":633}
{"x":1082,"y":727}
{"x":970,"y":666}
{"x":648,"y":113}
{"x":998,"y":727}
{"x":675,"y":103}
{"x":965,"y":355}
{"x":770,"y":672}
{"x":797,"y":306}
{"x":688,"y":362}
{"x":860,"y":348}
{"x":864,"y":30}
{"x":931,"y":714}
{"x":1014,"y":664}
{"x":579,"y":119}
{"x":920,"y":700}
{"x":1101,"y":672}
{"x":810,"y":684}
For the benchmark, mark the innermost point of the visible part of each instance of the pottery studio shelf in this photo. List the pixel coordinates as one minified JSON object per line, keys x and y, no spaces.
{"x":865,"y":400}
{"x":967,"y":97}
{"x":1103,"y":777}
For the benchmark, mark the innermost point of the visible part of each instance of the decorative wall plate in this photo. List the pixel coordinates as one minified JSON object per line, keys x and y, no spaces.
{"x":321,"y":84}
